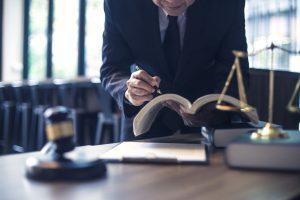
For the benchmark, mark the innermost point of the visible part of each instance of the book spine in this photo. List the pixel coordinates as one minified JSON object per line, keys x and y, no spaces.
{"x":207,"y":133}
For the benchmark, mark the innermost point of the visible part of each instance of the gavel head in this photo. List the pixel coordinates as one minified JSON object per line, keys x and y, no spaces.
{"x":59,"y":129}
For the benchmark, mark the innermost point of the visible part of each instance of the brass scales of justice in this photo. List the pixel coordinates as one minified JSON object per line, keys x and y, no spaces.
{"x":269,"y":131}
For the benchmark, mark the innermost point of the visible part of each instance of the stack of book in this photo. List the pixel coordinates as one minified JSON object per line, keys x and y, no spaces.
{"x":270,"y":154}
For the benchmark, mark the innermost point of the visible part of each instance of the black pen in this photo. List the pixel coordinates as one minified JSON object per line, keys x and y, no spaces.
{"x":157,"y":90}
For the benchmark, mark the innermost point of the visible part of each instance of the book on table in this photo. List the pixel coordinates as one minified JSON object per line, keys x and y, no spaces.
{"x":146,"y":116}
{"x":271,"y":154}
{"x":221,"y":135}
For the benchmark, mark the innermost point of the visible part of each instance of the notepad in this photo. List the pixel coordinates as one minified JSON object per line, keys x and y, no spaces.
{"x":150,"y":152}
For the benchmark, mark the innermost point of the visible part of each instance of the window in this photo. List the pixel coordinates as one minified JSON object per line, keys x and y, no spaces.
{"x":12,"y":40}
{"x":65,"y":38}
{"x":1,"y":37}
{"x":274,"y":21}
{"x":94,"y":30}
{"x":38,"y":16}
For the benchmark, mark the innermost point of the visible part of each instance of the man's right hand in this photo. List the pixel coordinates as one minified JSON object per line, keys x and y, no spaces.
{"x":140,"y":87}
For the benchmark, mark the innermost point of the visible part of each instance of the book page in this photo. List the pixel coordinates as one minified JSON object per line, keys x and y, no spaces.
{"x":150,"y":151}
{"x":144,"y":119}
{"x":200,"y":102}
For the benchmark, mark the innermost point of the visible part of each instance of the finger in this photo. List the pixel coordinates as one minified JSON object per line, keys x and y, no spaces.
{"x":139,"y":100}
{"x":137,"y":83}
{"x":143,"y":75}
{"x":156,"y":80}
{"x":138,"y":91}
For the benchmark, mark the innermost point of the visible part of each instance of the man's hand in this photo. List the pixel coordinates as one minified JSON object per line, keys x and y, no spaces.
{"x":140,"y":87}
{"x":206,"y":116}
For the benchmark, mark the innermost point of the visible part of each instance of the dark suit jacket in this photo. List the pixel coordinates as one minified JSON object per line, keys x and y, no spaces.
{"x":213,"y":29}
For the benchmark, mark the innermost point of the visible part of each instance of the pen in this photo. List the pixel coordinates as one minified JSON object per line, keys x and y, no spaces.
{"x":156,"y":88}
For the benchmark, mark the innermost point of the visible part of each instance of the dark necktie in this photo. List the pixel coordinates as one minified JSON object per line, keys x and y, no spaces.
{"x":171,"y":45}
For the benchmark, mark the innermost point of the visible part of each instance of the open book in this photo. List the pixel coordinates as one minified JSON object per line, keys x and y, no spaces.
{"x":144,"y":119}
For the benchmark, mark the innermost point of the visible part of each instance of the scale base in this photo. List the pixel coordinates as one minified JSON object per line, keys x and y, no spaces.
{"x":269,"y":132}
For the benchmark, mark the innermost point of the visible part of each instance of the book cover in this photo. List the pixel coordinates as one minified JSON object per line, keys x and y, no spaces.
{"x":273,"y":154}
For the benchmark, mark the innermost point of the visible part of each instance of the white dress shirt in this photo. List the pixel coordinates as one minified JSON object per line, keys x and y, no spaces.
{"x":164,"y":22}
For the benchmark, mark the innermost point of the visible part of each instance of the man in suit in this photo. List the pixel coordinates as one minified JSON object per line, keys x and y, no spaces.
{"x":181,"y":46}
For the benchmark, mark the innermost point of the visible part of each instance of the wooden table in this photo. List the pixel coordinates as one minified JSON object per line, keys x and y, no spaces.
{"x":141,"y":181}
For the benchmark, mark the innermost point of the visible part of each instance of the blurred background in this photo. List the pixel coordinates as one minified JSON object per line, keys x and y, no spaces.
{"x":51,"y":38}
{"x":53,"y":47}
{"x":63,"y":38}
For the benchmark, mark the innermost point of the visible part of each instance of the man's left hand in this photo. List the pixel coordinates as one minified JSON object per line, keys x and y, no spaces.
{"x":206,"y":116}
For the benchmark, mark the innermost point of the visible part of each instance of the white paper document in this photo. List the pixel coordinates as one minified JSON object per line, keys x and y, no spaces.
{"x":157,"y":153}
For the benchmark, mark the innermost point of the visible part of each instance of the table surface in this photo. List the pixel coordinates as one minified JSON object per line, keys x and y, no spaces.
{"x":151,"y":181}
